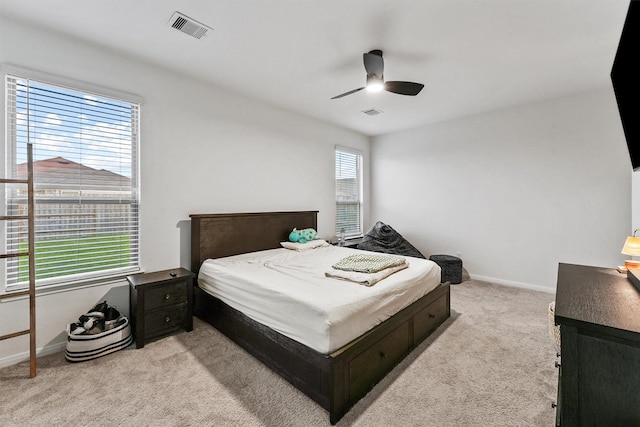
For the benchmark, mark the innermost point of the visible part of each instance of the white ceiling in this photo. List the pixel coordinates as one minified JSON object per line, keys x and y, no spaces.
{"x":472,"y":55}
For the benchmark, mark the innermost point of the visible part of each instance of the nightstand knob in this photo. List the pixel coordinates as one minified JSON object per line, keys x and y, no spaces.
{"x":167,"y":319}
{"x":167,"y":296}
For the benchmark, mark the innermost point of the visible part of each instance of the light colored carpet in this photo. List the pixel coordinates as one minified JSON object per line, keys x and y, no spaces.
{"x":490,"y":364}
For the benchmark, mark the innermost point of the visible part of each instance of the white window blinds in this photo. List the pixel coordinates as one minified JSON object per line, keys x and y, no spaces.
{"x":85,"y":178}
{"x":348,"y":192}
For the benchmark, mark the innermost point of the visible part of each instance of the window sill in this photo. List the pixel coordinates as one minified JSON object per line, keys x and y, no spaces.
{"x":71,"y":286}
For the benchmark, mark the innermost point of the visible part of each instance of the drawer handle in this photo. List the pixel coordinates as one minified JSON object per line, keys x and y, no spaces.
{"x":166,"y":297}
{"x":167,"y":319}
{"x":383,"y":355}
{"x":432,"y":316}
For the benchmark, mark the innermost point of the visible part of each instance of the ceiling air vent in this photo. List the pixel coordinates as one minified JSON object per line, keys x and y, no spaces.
{"x":372,"y":112}
{"x":188,"y":26}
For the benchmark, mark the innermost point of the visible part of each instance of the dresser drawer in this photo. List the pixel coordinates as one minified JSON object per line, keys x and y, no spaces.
{"x":165,"y":320}
{"x":166,"y":295}
{"x":372,"y":364}
{"x":430,"y":318}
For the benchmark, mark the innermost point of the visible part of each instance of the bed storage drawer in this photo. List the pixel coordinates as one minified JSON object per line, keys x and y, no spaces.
{"x":430,"y":318}
{"x":366,"y":369}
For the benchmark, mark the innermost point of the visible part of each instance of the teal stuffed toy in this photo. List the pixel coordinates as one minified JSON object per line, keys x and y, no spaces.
{"x":302,"y":236}
{"x":294,"y":236}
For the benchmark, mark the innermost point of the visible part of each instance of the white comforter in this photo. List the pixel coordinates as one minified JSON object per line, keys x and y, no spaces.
{"x":287,"y":290}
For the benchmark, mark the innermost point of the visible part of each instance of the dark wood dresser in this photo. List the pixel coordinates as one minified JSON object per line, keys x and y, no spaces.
{"x":160,"y":303}
{"x":598,"y":310}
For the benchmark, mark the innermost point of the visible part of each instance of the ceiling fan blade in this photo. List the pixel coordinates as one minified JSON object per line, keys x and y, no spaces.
{"x":404,"y":88}
{"x":373,"y":63}
{"x":348,"y":93}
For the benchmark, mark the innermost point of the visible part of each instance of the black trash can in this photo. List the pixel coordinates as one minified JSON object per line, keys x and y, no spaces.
{"x":451,"y":267}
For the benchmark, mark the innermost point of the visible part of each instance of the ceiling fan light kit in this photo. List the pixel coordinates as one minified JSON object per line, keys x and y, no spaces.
{"x":374,"y":66}
{"x":374,"y":83}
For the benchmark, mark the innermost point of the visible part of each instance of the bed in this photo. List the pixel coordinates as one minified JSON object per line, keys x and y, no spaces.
{"x":336,"y":379}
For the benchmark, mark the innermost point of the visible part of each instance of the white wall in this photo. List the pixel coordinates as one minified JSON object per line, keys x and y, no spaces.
{"x":635,"y":202}
{"x":203,"y":150}
{"x":513,"y":191}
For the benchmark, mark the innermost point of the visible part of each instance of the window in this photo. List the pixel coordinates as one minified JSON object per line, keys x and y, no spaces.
{"x":348,"y":192}
{"x":85,"y":158}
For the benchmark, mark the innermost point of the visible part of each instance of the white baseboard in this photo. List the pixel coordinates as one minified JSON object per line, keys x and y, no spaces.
{"x":513,"y":284}
{"x":24,"y":356}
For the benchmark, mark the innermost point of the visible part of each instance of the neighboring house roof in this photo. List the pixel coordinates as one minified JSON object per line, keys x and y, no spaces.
{"x":59,"y":172}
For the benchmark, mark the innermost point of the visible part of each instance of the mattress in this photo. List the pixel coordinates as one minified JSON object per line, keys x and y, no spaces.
{"x":288,"y":291}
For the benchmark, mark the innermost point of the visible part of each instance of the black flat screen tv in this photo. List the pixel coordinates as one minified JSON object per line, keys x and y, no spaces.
{"x":625,"y":76}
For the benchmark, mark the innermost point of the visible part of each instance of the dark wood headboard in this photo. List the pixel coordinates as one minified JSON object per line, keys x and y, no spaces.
{"x":220,"y":235}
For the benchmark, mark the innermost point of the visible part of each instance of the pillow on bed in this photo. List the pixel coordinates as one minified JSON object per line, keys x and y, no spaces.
{"x":383,"y":238}
{"x":311,"y":244}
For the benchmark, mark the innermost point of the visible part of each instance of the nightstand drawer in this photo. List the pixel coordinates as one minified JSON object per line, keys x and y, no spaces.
{"x":166,"y":295}
{"x":165,"y":320}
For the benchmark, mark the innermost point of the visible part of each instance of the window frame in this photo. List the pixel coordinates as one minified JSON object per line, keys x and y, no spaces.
{"x":360,"y":189}
{"x":9,"y":169}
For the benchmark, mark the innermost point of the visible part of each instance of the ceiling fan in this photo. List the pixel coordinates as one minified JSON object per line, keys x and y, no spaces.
{"x":374,"y":65}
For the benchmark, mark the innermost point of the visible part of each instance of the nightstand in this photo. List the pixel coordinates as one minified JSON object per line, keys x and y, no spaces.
{"x":352,"y":243}
{"x":160,"y":303}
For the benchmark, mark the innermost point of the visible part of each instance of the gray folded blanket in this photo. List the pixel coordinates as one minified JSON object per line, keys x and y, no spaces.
{"x":368,"y":263}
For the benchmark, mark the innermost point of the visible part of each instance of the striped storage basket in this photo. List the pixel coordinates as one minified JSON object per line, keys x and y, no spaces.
{"x":86,"y":347}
